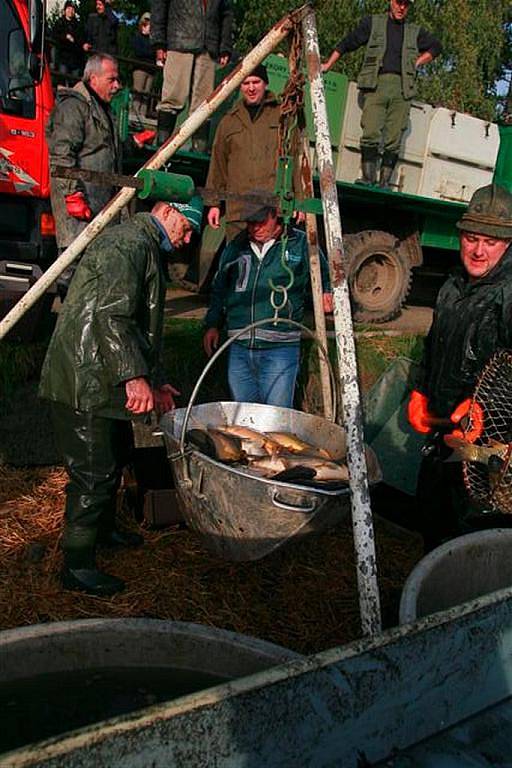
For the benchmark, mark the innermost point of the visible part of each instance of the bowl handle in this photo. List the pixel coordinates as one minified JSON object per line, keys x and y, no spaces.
{"x":292,"y":507}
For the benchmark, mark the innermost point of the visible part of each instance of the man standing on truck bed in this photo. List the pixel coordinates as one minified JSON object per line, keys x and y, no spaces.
{"x":103,"y":366}
{"x":244,"y":152}
{"x":395,"y":49}
{"x":81,"y":133}
{"x":472,"y":320}
{"x":189,"y":36}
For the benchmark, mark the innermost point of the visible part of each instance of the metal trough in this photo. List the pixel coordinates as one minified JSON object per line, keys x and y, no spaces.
{"x":457,"y":571}
{"x":237,"y":515}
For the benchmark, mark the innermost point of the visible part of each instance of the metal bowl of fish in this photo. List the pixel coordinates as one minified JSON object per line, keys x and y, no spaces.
{"x":252,"y":477}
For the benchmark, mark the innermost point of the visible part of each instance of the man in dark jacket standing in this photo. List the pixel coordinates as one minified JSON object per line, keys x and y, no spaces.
{"x":472,"y":320}
{"x":81,"y":133}
{"x":68,"y":39}
{"x":102,"y":368}
{"x":101,"y":30}
{"x":189,"y":36}
{"x":395,"y":50}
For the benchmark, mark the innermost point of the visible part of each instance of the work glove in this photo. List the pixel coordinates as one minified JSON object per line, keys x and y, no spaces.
{"x":143,"y":137}
{"x":418,"y":414}
{"x":475,"y":416}
{"x":76,"y":206}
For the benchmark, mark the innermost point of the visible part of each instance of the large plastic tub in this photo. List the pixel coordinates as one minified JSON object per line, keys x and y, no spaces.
{"x":58,"y":677}
{"x":457,"y":571}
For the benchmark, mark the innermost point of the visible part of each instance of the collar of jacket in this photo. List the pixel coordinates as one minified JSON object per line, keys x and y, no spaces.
{"x":165,"y":242}
{"x":239,"y":110}
{"x":502,"y":272}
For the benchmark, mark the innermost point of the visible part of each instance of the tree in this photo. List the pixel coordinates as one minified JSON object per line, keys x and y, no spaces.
{"x":475,"y":35}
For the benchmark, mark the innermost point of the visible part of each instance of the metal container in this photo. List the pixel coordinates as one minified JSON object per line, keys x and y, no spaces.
{"x":243,"y":517}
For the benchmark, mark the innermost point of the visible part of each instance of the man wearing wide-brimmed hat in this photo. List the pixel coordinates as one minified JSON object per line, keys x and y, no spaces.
{"x":102,"y":368}
{"x":472,"y":320}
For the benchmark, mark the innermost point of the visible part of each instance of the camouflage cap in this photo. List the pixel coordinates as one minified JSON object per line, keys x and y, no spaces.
{"x":489,"y":213}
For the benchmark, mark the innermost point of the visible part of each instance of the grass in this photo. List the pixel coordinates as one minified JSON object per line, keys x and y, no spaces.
{"x":184,"y":359}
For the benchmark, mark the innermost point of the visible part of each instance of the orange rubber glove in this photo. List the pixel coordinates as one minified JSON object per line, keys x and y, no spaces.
{"x":77,"y":207}
{"x":475,"y":415}
{"x":417,"y":412}
{"x":143,"y":137}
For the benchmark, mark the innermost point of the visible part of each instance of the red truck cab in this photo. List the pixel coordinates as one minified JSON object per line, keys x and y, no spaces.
{"x":27,"y":232}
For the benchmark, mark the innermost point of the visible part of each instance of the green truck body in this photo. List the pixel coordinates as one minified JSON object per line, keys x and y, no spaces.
{"x":445,"y":156}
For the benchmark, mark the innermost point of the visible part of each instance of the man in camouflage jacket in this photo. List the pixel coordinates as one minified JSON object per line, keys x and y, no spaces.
{"x":102,"y":368}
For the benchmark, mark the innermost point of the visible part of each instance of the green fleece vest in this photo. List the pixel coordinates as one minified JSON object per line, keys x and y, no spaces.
{"x":375,"y":49}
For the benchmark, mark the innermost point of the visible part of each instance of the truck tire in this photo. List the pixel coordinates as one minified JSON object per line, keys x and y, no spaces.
{"x":379,"y":276}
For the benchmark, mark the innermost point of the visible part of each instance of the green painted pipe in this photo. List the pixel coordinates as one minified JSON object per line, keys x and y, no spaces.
{"x":166,"y":186}
{"x":503,"y":168}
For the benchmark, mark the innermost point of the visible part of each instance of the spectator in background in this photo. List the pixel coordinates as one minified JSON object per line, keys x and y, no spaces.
{"x":69,"y":41}
{"x":189,"y":38}
{"x":143,"y":76}
{"x":101,"y":30}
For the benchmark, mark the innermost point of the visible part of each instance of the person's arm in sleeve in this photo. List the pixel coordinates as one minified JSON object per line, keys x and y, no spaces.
{"x":158,"y":34}
{"x":429,"y":48}
{"x":226,"y":33}
{"x":217,"y":180}
{"x":65,"y":141}
{"x":122,"y":344}
{"x":351,"y":42}
{"x":214,"y":319}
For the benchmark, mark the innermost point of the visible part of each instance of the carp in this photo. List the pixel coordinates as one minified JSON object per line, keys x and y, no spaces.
{"x":216,"y":445}
{"x":325,"y":471}
{"x":481,"y":454}
{"x":295,"y":444}
{"x":255,"y":443}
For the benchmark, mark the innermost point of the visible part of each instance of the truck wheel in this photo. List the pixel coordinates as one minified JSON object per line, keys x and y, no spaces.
{"x":379,"y":276}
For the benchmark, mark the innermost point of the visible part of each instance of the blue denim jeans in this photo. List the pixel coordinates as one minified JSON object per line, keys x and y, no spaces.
{"x":265,"y":375}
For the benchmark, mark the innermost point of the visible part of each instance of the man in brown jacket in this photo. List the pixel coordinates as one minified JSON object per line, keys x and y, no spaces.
{"x":244,"y":153}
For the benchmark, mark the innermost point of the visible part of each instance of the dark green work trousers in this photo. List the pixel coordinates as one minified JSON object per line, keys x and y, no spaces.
{"x":94,"y":450}
{"x":385,"y":115}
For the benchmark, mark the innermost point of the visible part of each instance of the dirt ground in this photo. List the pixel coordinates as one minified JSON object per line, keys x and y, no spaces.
{"x":303,"y":596}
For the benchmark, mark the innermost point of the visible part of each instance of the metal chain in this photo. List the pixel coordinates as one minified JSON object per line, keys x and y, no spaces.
{"x":291,"y":122}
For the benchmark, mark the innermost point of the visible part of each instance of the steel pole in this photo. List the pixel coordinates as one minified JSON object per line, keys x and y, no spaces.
{"x":230,"y":83}
{"x":362,"y":523}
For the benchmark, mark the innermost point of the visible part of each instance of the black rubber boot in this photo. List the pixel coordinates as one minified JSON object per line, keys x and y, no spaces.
{"x":369,"y":157}
{"x":166,"y":122}
{"x":118,"y":539}
{"x":80,"y":573}
{"x":91,"y":581}
{"x":386,"y":169}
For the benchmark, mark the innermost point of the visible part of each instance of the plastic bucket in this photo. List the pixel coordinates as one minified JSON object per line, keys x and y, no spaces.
{"x":457,"y":571}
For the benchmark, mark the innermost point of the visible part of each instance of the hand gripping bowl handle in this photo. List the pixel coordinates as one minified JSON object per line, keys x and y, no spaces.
{"x":236,"y":336}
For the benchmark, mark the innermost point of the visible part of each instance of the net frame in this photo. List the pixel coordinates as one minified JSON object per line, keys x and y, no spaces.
{"x":491,"y":490}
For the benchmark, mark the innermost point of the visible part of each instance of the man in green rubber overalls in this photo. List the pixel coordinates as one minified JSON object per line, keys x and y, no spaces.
{"x":103,"y":368}
{"x":395,"y":49}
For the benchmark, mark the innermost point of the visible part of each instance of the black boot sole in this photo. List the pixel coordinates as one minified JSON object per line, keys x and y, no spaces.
{"x":73,"y":584}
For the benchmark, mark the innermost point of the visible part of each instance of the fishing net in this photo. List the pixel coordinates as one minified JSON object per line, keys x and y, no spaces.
{"x":490,"y":484}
